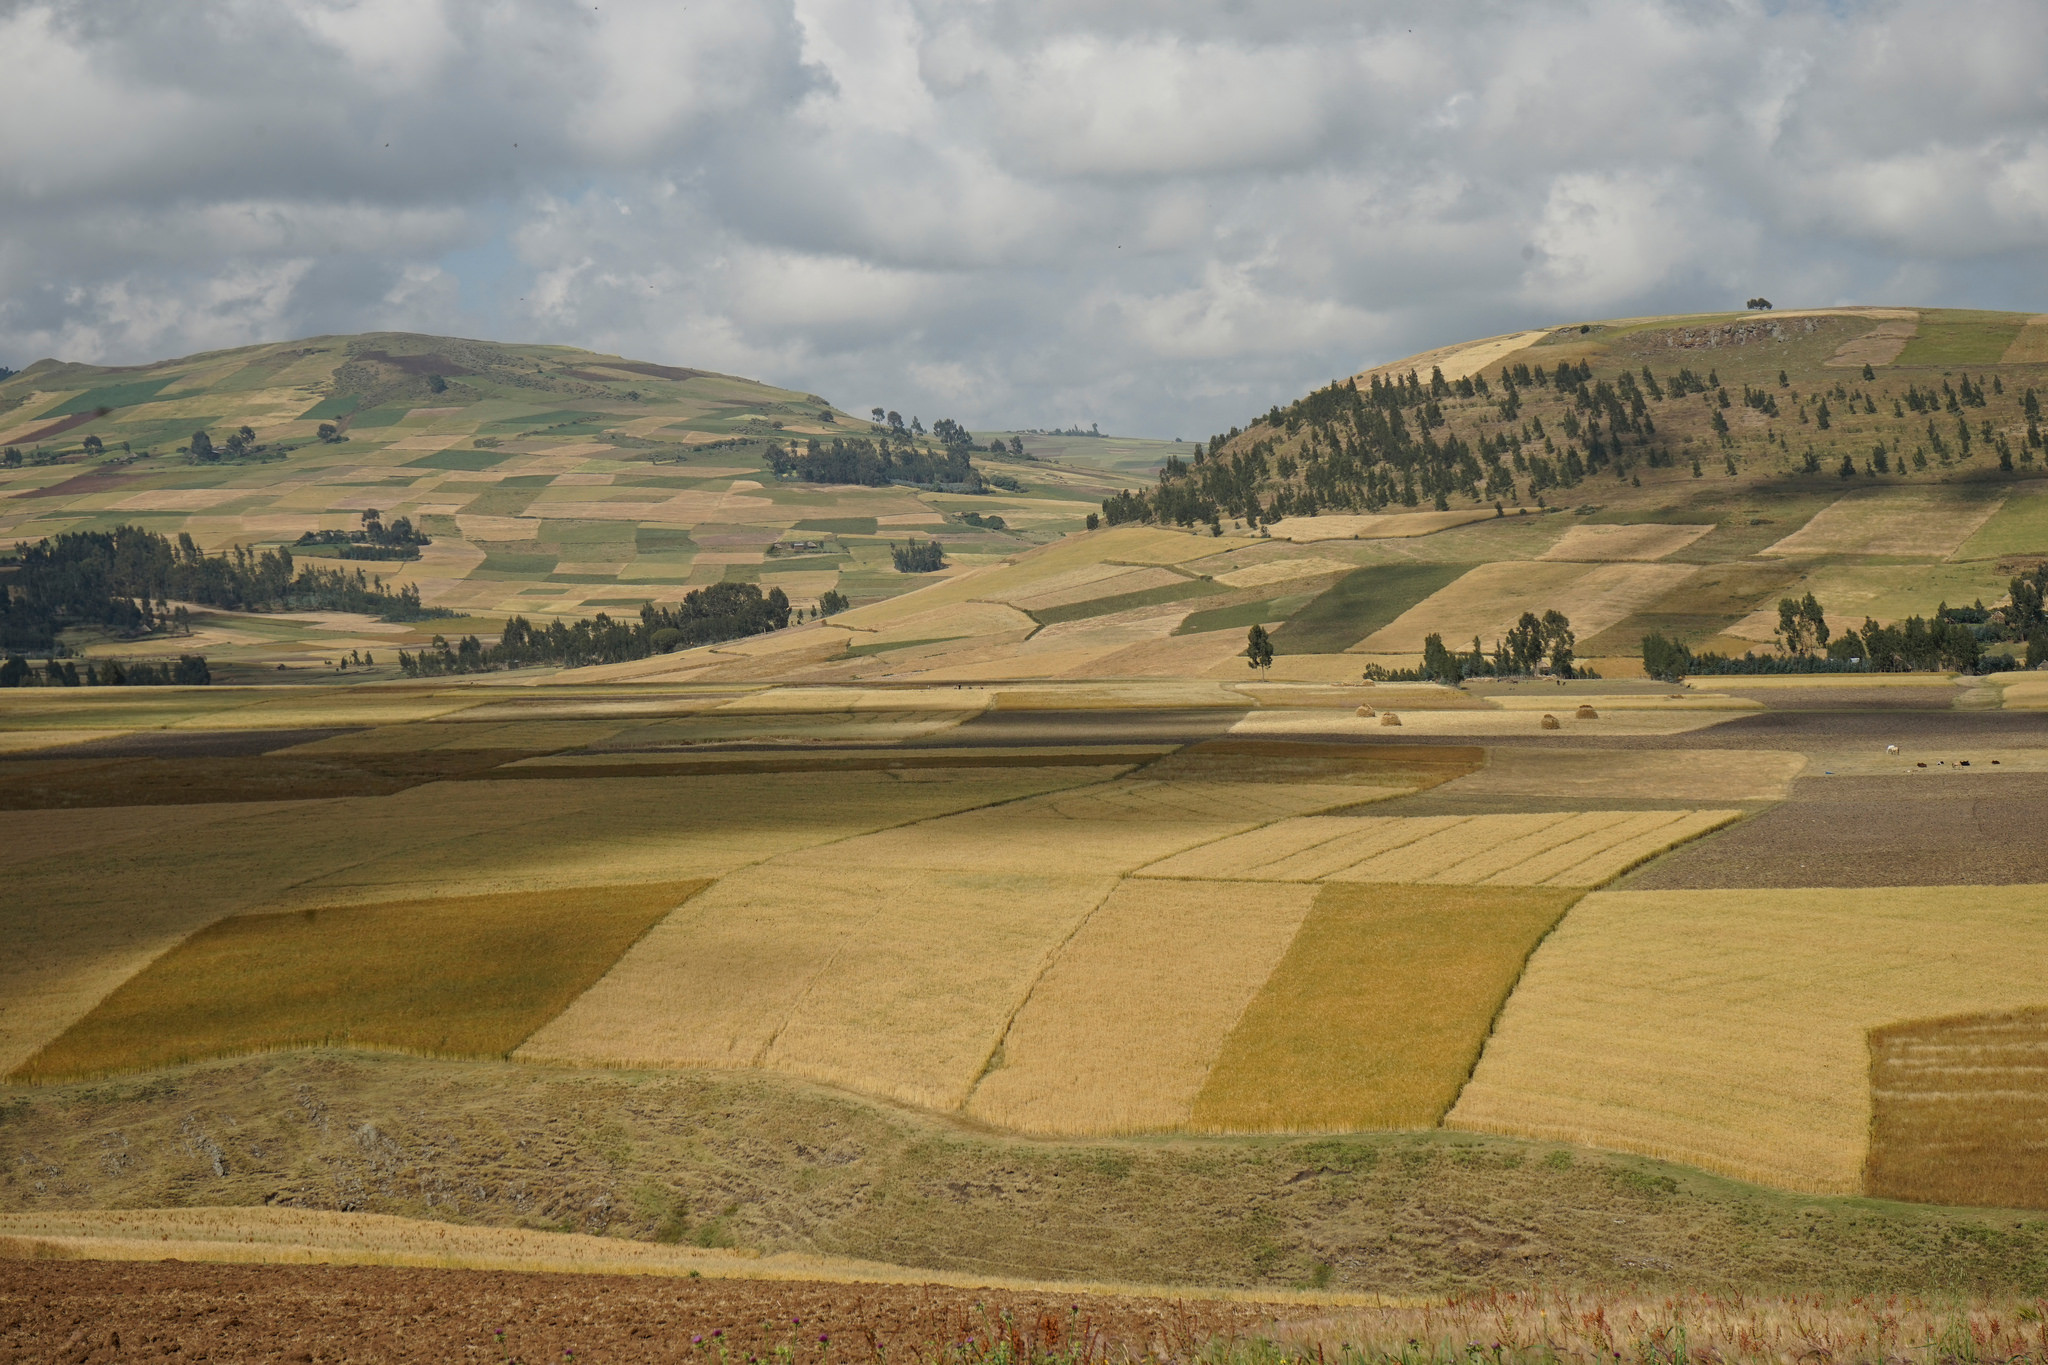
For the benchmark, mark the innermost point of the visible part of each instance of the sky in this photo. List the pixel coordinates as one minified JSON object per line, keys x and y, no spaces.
{"x":1161,"y":216}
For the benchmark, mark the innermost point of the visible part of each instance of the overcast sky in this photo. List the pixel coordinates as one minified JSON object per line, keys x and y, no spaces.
{"x":1158,"y":215}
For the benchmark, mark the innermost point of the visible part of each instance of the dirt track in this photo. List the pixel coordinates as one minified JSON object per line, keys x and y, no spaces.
{"x":106,"y":1311}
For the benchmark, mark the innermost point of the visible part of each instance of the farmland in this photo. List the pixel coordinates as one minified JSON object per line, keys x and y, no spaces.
{"x":1003,"y":922}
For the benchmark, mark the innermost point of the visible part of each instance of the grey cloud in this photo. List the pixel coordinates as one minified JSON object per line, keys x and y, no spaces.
{"x":1160,"y":216}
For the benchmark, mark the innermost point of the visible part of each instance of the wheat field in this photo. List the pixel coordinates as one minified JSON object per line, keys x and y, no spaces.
{"x":1374,"y":1017}
{"x":1120,"y":1033}
{"x":1707,"y":776}
{"x":1960,"y":1110}
{"x":1726,"y":1029}
{"x":460,"y":977}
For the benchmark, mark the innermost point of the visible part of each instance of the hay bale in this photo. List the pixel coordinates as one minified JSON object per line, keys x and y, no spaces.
{"x":1389,"y":718}
{"x":1550,"y":722}
{"x":1367,"y":711}
{"x":1586,"y":712}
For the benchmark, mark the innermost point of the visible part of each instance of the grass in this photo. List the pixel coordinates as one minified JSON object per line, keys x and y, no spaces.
{"x":462,"y":976}
{"x":1727,"y":1029}
{"x":1957,"y":1110}
{"x":1376,"y":1015}
{"x":1954,"y":337}
{"x":1121,"y":1031}
{"x":1242,"y":616}
{"x":2018,"y":527}
{"x":1358,"y":604}
{"x":1930,"y":523}
{"x":1603,"y":543}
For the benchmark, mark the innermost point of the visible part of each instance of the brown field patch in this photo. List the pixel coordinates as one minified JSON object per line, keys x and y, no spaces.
{"x":1878,"y":346}
{"x":462,"y":976}
{"x":1728,"y":1029}
{"x":1959,"y":1110}
{"x":1375,"y":526}
{"x":1568,"y":775}
{"x":1489,"y":599}
{"x":2030,"y":347}
{"x":1605,"y":544}
{"x":1120,"y":1032}
{"x":1376,"y":1015}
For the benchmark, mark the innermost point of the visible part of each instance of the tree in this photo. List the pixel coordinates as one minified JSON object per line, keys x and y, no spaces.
{"x":436,"y":384}
{"x":1438,"y":663}
{"x":832,"y":603}
{"x":1869,"y":373}
{"x":911,"y":557}
{"x":1017,"y":447}
{"x":1759,"y":303}
{"x":202,"y":447}
{"x":328,"y":432}
{"x":878,"y":414}
{"x":1665,"y":659}
{"x":93,"y":445}
{"x":1258,"y":648}
{"x":1802,"y":625}
{"x":1093,"y":521}
{"x":1559,"y":639}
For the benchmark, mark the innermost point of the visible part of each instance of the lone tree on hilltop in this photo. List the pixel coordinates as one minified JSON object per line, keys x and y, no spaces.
{"x":1258,"y":649}
{"x":1760,"y":303}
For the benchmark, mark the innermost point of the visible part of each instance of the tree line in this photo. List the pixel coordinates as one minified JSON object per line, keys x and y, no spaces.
{"x":189,"y":670}
{"x":125,"y":580}
{"x":722,"y":611}
{"x":892,"y":453}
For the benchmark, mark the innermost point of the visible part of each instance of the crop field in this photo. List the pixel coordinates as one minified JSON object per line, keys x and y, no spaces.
{"x":1930,"y":524}
{"x":1602,"y":544}
{"x":1120,"y":1033}
{"x":1727,"y":1029}
{"x":1957,"y":1110}
{"x":461,"y":977}
{"x":1633,"y":775}
{"x":1487,"y":601}
{"x":1558,"y":848}
{"x":1377,"y":1013}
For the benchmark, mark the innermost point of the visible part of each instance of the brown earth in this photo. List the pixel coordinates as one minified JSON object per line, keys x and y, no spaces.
{"x":1927,"y":829}
{"x":88,"y":1311}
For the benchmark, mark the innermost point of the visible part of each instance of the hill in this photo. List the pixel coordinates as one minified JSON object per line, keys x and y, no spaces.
{"x":548,"y":481}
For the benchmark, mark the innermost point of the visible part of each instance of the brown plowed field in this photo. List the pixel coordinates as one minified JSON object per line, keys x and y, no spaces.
{"x":89,"y":1311}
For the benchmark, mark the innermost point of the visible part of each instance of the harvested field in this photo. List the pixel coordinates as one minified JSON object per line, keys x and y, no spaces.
{"x":1959,"y":1110}
{"x":1121,"y":1031}
{"x":322,"y":1312}
{"x":1568,"y":775}
{"x":1726,"y":1029}
{"x":1375,"y":526}
{"x":1878,"y":346}
{"x":2030,"y":347}
{"x":1913,"y":828}
{"x":1489,"y":599}
{"x":1609,"y":543}
{"x":1284,"y":571}
{"x":1477,"y":723}
{"x":1928,"y":523}
{"x":464,"y":976}
{"x":1378,"y":1011}
{"x":1553,"y":849}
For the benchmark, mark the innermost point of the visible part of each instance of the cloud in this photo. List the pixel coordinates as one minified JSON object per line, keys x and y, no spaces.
{"x":1162,"y":217}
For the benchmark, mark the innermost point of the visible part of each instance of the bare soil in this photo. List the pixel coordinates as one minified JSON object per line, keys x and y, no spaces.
{"x":88,"y":1311}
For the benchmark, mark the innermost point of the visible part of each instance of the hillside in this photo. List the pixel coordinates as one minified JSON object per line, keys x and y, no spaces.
{"x":549,"y":481}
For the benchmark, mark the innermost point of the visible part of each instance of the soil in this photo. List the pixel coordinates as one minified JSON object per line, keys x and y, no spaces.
{"x":88,"y":1311}
{"x":1927,"y":829}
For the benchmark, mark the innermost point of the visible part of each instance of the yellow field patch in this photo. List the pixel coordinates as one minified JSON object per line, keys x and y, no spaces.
{"x":1643,"y":542}
{"x":1919,"y":522}
{"x":1119,"y":1034}
{"x":1561,"y":775}
{"x":465,"y":976}
{"x":1375,"y":526}
{"x":1489,"y":599}
{"x":1726,"y":1029}
{"x":1283,"y":571}
{"x":1378,"y":1011}
{"x":1559,"y":848}
{"x":1110,"y":585}
{"x":1476,"y":723}
{"x":2030,"y":347}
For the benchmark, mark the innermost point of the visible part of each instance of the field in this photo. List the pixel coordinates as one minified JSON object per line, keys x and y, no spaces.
{"x":1727,"y":1030}
{"x":1007,"y":924}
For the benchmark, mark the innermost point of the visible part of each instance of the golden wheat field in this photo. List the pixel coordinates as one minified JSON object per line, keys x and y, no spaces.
{"x":457,"y":977}
{"x":1120,"y":1032}
{"x":1960,"y":1110}
{"x":1376,"y":1014}
{"x":1726,"y":1029}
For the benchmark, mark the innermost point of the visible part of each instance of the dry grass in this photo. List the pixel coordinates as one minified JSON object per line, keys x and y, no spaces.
{"x":1563,"y":1327}
{"x":2030,"y":347}
{"x":1960,"y":1110}
{"x":1375,"y":526}
{"x":1566,"y":775}
{"x":1726,"y":1029}
{"x":1640,"y":543}
{"x":1557,"y":848}
{"x":1378,"y":1011}
{"x":1487,"y":601}
{"x":1926,"y":522}
{"x":465,"y":976}
{"x":1119,"y":1034}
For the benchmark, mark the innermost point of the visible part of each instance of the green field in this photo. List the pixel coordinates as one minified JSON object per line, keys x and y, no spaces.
{"x":1359,"y":604}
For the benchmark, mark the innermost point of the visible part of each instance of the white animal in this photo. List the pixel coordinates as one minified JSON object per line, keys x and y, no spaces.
{"x":1891,"y":748}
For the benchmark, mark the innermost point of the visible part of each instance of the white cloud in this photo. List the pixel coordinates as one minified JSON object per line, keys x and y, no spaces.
{"x":1162,"y":217}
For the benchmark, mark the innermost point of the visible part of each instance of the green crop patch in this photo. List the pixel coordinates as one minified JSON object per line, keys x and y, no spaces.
{"x":1242,"y":615}
{"x":340,"y":405}
{"x":842,"y":526}
{"x":454,"y":458}
{"x":1961,"y":339}
{"x":1360,"y":603}
{"x":464,"y":976}
{"x":505,"y":426}
{"x":377,"y":417}
{"x":1128,"y":601}
{"x":112,"y":396}
{"x":662,"y":540}
{"x":515,"y":564}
